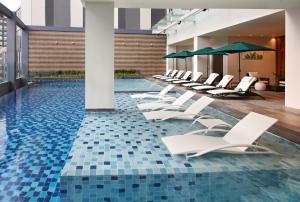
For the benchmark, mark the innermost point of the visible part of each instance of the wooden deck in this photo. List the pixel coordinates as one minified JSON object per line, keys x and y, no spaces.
{"x":272,"y":104}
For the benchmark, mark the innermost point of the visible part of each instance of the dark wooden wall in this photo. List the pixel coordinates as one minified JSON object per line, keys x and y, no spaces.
{"x":280,"y":57}
{"x":55,"y":51}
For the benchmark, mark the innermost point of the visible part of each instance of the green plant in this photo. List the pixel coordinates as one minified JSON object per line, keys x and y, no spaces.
{"x":127,"y":73}
{"x":60,"y":75}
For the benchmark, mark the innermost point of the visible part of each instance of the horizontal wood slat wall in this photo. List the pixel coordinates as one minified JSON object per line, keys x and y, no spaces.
{"x":55,"y":51}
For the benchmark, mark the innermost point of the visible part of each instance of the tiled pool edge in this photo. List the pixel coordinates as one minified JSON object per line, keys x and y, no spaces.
{"x":169,"y":187}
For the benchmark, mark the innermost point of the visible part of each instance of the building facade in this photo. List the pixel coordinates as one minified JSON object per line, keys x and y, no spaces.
{"x":70,"y":13}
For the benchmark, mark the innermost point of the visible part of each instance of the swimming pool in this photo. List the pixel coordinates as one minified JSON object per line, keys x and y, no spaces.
{"x":44,"y":132}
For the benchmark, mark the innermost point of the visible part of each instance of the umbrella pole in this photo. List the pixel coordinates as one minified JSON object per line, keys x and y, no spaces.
{"x":185,"y":64}
{"x":207,"y":61}
{"x":239,"y":66}
{"x":173,"y":63}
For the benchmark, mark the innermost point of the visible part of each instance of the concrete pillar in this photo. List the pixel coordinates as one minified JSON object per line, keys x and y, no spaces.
{"x":116,"y":18}
{"x":145,"y":18}
{"x":170,"y":63}
{"x":99,"y":56}
{"x":200,"y":62}
{"x":11,"y":51}
{"x":76,"y":13}
{"x":292,"y":63}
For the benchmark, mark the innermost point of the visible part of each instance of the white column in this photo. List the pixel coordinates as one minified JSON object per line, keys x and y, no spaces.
{"x":292,"y":63}
{"x":200,"y":62}
{"x":99,"y":56}
{"x":170,"y":63}
{"x":76,"y":13}
{"x":38,"y":12}
{"x":116,"y":18}
{"x":145,"y":18}
{"x":195,"y":58}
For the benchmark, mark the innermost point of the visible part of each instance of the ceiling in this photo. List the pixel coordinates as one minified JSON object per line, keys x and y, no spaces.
{"x":268,"y":26}
{"x":255,"y":4}
{"x":271,"y":25}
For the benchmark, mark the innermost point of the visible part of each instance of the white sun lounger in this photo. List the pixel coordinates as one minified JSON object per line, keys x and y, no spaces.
{"x":178,"y":74}
{"x":177,"y":104}
{"x":185,"y":77}
{"x":209,"y":81}
{"x":167,"y":74}
{"x":154,"y":95}
{"x":196,"y":77}
{"x":241,"y":88}
{"x":169,"y":77}
{"x":189,"y":114}
{"x":237,"y":140}
{"x":222,"y":84}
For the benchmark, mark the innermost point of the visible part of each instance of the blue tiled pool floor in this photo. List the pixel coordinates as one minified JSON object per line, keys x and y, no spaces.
{"x":114,"y":150}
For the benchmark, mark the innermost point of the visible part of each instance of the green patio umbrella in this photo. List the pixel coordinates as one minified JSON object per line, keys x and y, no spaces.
{"x":240,"y":47}
{"x":183,"y":55}
{"x":207,"y":51}
{"x":170,"y":56}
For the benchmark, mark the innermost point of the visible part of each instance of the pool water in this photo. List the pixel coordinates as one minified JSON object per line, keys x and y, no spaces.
{"x":135,"y":85}
{"x":51,"y":150}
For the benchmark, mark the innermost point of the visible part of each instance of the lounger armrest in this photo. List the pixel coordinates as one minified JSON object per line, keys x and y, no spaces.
{"x":177,"y":107}
{"x":202,"y":117}
{"x":220,"y":147}
{"x":179,"y":115}
{"x":205,"y":131}
{"x":168,"y":98}
{"x":163,"y":101}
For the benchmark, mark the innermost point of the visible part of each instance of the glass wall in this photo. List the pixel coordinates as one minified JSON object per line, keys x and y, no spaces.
{"x":3,"y":43}
{"x":19,"y":66}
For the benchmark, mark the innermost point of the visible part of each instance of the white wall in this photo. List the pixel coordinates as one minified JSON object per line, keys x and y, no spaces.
{"x":99,"y":56}
{"x":292,"y":62}
{"x":145,"y":18}
{"x":213,"y":20}
{"x":76,"y":13}
{"x":38,"y":12}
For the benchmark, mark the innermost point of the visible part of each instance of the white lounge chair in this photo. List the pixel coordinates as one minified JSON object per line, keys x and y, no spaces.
{"x":209,"y":81}
{"x":174,"y":72}
{"x":154,"y":95}
{"x":189,"y":114}
{"x":168,"y":72}
{"x":177,"y":104}
{"x":222,"y":84}
{"x":196,"y":77}
{"x":241,"y":88}
{"x":178,"y":76}
{"x":184,"y":77}
{"x":237,"y":140}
